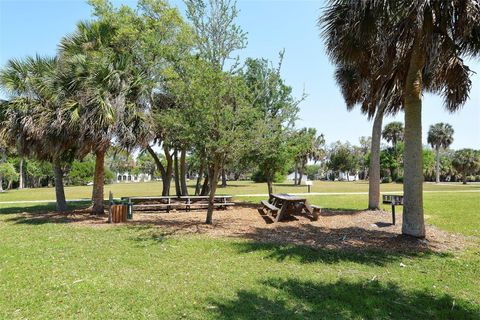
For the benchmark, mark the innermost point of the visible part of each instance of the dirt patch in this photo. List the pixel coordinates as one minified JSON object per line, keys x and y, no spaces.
{"x":357,"y":230}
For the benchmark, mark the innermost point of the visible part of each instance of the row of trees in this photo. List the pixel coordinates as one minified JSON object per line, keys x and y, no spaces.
{"x":145,"y":78}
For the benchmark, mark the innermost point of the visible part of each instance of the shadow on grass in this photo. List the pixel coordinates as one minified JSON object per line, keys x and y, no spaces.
{"x":44,"y":213}
{"x":296,"y":299}
{"x":306,"y":254}
{"x":310,"y":244}
{"x":37,"y":208}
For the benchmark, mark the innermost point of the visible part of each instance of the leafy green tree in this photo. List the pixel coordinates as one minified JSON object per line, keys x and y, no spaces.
{"x":213,"y":98}
{"x":440,"y":135}
{"x":275,"y":113}
{"x":422,"y":47}
{"x":342,"y":159}
{"x":466,"y":162}
{"x":312,"y":171}
{"x":393,"y":132}
{"x":8,"y":172}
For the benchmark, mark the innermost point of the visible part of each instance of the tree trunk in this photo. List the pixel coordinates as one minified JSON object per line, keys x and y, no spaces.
{"x":59,"y":190}
{"x":176,"y":174}
{"x":270,"y":186}
{"x":160,"y":168}
{"x":437,"y":165}
{"x":302,"y":170}
{"x":205,"y":187}
{"x":224,"y":179}
{"x":213,"y":189}
{"x":98,"y":182}
{"x":296,"y":174}
{"x":199,"y":179}
{"x":168,"y":171}
{"x":183,"y":172}
{"x":20,"y":174}
{"x":2,"y":160}
{"x":374,"y":168}
{"x":413,"y":219}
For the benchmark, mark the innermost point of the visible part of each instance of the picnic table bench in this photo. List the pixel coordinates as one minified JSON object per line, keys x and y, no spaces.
{"x":283,"y":205}
{"x":173,"y":202}
{"x":393,"y":200}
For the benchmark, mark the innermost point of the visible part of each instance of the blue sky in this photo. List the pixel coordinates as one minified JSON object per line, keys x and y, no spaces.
{"x":30,"y":27}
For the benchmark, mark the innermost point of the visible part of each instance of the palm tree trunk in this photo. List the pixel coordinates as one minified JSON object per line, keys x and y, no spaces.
{"x":213,"y":189}
{"x":20,"y":174}
{"x":98,"y":182}
{"x":374,"y":168}
{"x":437,"y":165}
{"x":59,"y":190}
{"x":413,"y":219}
{"x":183,"y":171}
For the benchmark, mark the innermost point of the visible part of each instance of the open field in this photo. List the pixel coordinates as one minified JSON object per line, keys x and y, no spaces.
{"x":234,"y":188}
{"x":56,"y":269}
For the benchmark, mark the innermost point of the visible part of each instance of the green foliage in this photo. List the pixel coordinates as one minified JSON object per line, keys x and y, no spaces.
{"x":81,"y":172}
{"x":428,"y":165}
{"x":312,"y":171}
{"x":391,"y":161}
{"x":274,"y":112}
{"x":342,"y":159}
{"x":258,"y":176}
{"x":440,"y":135}
{"x":8,"y":171}
{"x":393,"y":132}
{"x":466,"y":162}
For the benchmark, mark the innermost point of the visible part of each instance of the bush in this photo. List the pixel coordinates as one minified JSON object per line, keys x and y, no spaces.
{"x":399,"y":180}
{"x":386,"y":180}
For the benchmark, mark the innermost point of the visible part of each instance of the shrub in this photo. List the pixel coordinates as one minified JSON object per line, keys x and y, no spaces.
{"x":399,"y":180}
{"x":386,"y":180}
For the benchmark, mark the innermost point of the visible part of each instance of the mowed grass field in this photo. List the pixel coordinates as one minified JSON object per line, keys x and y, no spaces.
{"x":63,"y":271}
{"x":233,"y":188}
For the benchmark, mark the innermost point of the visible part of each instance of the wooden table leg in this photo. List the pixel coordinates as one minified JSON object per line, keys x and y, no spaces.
{"x":281,"y":213}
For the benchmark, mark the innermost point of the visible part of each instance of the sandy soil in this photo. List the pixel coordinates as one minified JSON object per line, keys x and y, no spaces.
{"x":356,"y":230}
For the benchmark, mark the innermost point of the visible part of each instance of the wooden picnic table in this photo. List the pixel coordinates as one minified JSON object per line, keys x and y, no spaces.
{"x":286,"y":204}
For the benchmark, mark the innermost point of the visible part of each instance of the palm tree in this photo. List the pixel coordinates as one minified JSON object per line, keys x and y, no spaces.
{"x":393,"y":132}
{"x":421,"y":47}
{"x":105,"y":94}
{"x":34,"y":119}
{"x":440,"y":135}
{"x":359,"y":86}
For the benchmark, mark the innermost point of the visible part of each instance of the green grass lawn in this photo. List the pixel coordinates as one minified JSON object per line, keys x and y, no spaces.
{"x":65,"y":271}
{"x":234,"y":187}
